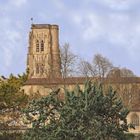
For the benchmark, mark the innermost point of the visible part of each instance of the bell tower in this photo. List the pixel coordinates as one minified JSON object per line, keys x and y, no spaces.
{"x":43,"y":59}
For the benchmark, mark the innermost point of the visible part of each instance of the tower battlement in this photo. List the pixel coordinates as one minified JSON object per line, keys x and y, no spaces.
{"x":42,"y":26}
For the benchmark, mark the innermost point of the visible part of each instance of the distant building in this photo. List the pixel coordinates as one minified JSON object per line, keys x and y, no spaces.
{"x":44,"y":65}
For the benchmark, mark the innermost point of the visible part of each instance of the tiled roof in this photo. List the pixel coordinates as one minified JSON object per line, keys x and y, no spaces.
{"x":56,"y":81}
{"x":80,"y":80}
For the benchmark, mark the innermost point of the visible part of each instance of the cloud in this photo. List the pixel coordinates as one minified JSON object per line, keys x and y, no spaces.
{"x":58,"y":4}
{"x":111,"y":28}
{"x":107,"y":26}
{"x":18,"y":3}
{"x":119,"y":4}
{"x":8,"y":7}
{"x":92,"y":27}
{"x":10,"y":40}
{"x":116,"y":28}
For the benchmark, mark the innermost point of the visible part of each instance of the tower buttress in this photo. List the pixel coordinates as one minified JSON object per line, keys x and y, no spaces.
{"x":55,"y":51}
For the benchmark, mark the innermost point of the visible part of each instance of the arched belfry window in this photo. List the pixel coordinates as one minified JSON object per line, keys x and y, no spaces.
{"x":37,"y":46}
{"x":42,"y":45}
{"x":135,"y":120}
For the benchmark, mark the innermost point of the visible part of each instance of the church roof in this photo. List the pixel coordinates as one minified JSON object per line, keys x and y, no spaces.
{"x":55,"y":81}
{"x":81,"y":80}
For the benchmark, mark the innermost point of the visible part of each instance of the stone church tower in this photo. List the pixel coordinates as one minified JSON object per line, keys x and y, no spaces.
{"x":43,"y":59}
{"x":44,"y":62}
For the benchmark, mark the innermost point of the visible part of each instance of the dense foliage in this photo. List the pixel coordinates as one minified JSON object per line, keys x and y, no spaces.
{"x":10,"y":93}
{"x":89,"y":114}
{"x":10,"y":136}
{"x":12,"y":100}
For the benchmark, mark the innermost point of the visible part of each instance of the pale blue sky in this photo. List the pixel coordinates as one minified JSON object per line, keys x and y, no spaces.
{"x":109,"y":27}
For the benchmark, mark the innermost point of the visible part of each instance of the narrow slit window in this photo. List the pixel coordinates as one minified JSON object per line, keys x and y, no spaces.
{"x":42,"y":46}
{"x":37,"y":46}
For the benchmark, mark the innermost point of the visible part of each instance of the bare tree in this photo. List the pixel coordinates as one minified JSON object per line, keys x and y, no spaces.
{"x":68,"y":60}
{"x":86,"y":69}
{"x":102,"y":65}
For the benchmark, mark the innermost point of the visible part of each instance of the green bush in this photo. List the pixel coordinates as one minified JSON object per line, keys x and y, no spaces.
{"x":89,"y":114}
{"x":10,"y":136}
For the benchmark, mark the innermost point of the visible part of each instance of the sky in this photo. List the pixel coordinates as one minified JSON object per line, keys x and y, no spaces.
{"x":108,"y":27}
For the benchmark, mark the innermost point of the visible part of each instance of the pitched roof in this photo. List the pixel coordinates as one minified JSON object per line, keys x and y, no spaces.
{"x":80,"y":80}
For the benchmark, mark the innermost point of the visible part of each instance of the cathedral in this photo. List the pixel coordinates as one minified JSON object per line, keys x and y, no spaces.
{"x":44,"y":64}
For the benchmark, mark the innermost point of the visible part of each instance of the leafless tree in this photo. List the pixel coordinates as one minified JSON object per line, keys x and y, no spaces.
{"x":68,"y":61}
{"x":86,"y":69}
{"x":102,"y":65}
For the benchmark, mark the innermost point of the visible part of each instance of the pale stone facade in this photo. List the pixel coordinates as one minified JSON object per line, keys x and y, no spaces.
{"x":44,"y":65}
{"x":134,"y":118}
{"x":44,"y":55}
